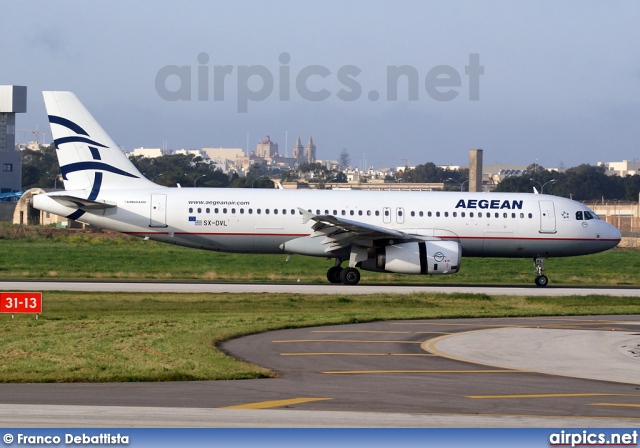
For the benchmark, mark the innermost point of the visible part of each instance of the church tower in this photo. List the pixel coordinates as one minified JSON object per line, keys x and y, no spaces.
{"x":298,"y":152}
{"x":310,"y":151}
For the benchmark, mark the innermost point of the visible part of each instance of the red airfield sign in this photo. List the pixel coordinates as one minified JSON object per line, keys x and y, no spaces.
{"x":21,"y":302}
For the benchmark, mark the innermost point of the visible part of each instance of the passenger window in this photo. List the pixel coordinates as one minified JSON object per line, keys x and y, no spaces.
{"x":258,"y":211}
{"x":317,"y":212}
{"x":455,"y":214}
{"x":190,"y":209}
{"x":208,"y":210}
{"x":429,"y":214}
{"x":293,"y":212}
{"x":386,"y":213}
{"x":437,"y":214}
{"x":421,"y":214}
{"x":521,"y":215}
{"x":479,"y":214}
{"x":530,"y":215}
{"x":413,"y":214}
{"x":199,"y":210}
{"x":498,"y":215}
{"x":224,"y":210}
{"x":351,"y":212}
{"x":377,"y":212}
{"x":470,"y":214}
{"x":513,"y":215}
{"x":343,"y":213}
{"x":446,"y":214}
{"x":275,"y":211}
{"x":335,"y":212}
{"x":504,"y":215}
{"x":233,"y":210}
{"x":266,"y":211}
{"x":368,"y":212}
{"x":284,"y":211}
{"x":399,"y":212}
{"x":359,"y":212}
{"x":462,"y":214}
{"x":215,"y":210}
{"x":242,"y":211}
{"x":250,"y":211}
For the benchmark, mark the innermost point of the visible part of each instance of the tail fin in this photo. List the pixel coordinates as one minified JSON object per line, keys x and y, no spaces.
{"x":89,"y":159}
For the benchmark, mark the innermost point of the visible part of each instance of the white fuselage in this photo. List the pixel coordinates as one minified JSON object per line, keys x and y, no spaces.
{"x":261,"y":221}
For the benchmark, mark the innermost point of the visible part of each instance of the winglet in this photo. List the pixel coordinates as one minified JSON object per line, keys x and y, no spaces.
{"x":306,"y":215}
{"x":535,"y":191}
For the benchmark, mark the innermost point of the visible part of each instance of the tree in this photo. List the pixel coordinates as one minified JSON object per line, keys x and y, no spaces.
{"x":344,"y":160}
{"x":181,"y":169}
{"x":40,"y":168}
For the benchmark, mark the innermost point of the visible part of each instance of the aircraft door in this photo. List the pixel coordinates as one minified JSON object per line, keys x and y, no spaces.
{"x":158,"y":210}
{"x":547,"y":217}
{"x":386,"y":215}
{"x":400,"y":215}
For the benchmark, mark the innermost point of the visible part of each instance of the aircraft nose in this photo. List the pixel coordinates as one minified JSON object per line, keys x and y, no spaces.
{"x":611,"y":234}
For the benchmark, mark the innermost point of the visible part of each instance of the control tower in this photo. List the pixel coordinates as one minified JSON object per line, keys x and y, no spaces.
{"x":13,"y":100}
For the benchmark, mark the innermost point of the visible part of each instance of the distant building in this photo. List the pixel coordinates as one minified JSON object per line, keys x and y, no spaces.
{"x":304,"y":154}
{"x":150,"y":152}
{"x":186,"y":152}
{"x":266,"y":149}
{"x":475,"y":170}
{"x":298,"y":152}
{"x":224,"y":155}
{"x":310,"y":152}
{"x":13,"y":100}
{"x":622,"y":169}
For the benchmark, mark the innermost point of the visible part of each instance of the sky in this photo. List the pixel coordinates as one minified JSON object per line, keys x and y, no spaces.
{"x":547,"y":82}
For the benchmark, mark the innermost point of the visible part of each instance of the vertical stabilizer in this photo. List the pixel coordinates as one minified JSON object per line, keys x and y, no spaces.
{"x":89,"y":159}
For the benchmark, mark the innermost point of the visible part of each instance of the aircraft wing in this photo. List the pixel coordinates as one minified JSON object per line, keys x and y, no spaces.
{"x":340,"y":232}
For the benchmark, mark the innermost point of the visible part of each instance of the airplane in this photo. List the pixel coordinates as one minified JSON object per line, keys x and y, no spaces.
{"x":407,"y":232}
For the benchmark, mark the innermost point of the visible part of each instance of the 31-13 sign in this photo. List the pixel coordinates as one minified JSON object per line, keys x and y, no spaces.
{"x":21,"y":302}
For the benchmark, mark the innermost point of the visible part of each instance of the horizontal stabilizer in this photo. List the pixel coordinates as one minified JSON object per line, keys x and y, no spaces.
{"x":84,"y":204}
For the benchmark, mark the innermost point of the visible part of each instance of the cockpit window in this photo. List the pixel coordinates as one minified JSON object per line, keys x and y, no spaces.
{"x":590,"y":215}
{"x":579,"y":215}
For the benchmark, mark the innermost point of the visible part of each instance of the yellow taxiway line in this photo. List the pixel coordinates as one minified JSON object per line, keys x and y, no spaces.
{"x":275,"y":403}
{"x":498,"y":397}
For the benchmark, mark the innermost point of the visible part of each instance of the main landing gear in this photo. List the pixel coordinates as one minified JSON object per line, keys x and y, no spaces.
{"x":348,"y":276}
{"x":541,"y":279}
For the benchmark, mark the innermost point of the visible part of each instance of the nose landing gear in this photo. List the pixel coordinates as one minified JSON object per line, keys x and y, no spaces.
{"x":541,"y":279}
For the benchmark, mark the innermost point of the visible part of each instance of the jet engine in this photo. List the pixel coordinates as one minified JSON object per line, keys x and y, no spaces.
{"x":423,"y":257}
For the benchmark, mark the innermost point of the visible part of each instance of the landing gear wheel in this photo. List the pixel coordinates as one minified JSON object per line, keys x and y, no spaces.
{"x":350,"y":276}
{"x":333,"y":274}
{"x":542,"y":280}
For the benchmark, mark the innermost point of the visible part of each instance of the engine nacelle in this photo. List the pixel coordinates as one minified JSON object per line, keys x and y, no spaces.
{"x":424,"y":257}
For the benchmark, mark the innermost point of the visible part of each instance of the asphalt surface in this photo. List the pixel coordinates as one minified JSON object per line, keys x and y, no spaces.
{"x":395,"y":373}
{"x":303,"y":288}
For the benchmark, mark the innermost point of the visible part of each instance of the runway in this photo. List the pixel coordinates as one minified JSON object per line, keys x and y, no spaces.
{"x":581,"y":371}
{"x":305,"y":288}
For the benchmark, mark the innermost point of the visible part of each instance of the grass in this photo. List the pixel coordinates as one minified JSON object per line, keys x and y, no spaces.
{"x":58,"y":254}
{"x":162,"y":337}
{"x":96,"y":337}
